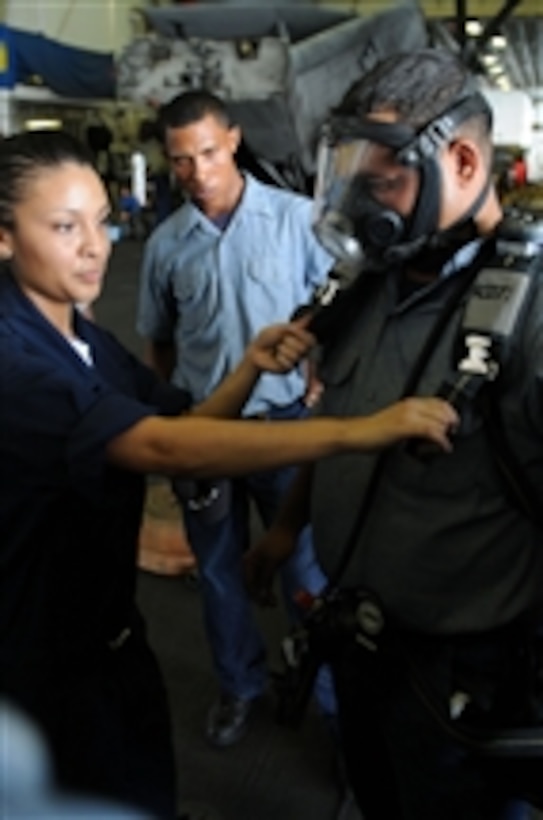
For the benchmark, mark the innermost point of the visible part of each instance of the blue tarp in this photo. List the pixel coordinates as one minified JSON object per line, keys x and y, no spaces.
{"x":68,"y":71}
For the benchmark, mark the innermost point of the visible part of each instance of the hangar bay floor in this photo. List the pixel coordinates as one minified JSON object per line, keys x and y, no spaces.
{"x":273,"y":772}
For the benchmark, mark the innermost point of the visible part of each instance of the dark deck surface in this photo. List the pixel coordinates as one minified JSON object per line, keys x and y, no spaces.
{"x":274,"y":773}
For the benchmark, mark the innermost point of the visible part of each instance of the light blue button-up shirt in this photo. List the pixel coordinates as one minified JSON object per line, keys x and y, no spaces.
{"x":211,"y":291}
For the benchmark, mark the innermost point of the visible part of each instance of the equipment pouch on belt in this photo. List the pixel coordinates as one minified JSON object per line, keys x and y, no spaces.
{"x":209,"y":499}
{"x":331,"y":620}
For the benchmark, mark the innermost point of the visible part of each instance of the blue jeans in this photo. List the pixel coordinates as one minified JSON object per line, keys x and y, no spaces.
{"x":237,"y":647}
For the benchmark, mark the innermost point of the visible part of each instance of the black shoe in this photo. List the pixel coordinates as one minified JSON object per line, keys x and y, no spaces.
{"x":227,"y":720}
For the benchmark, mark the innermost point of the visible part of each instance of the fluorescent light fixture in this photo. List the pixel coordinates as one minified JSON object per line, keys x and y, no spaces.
{"x":498,"y":41}
{"x":474,"y":28}
{"x":43,"y":124}
{"x":504,"y":83}
{"x":490,"y":59}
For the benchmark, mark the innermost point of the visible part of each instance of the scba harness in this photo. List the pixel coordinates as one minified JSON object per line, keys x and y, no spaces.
{"x":497,"y":292}
{"x":497,"y":302}
{"x":499,"y":298}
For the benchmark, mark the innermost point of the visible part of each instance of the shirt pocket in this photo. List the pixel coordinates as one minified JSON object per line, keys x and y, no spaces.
{"x":270,"y":287}
{"x":337,"y":375}
{"x":268,"y":267}
{"x":194,"y":292}
{"x":436,"y":474}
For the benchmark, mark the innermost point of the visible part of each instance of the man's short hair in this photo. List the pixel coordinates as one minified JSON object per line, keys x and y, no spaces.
{"x":191,"y":107}
{"x":418,"y":86}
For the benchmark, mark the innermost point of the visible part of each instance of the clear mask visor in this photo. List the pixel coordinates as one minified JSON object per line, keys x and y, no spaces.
{"x":359,"y":185}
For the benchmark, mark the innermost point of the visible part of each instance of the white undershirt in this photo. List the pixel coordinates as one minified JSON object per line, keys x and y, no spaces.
{"x":83,"y":350}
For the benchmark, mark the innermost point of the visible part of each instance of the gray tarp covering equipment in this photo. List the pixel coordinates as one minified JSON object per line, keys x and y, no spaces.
{"x":281,"y":68}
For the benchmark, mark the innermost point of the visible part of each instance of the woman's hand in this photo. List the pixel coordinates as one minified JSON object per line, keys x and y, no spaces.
{"x":279,"y":348}
{"x":432,"y":419}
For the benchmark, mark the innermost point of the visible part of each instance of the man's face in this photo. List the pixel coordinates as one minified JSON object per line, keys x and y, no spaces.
{"x":389,"y":183}
{"x":385,"y":181}
{"x":462,"y":172}
{"x":366,"y":198}
{"x":202,"y":158}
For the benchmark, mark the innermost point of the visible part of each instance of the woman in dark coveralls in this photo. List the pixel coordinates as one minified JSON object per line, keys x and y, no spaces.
{"x":81,"y":423}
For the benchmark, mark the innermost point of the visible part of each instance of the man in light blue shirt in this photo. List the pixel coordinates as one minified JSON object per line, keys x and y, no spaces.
{"x":237,"y":255}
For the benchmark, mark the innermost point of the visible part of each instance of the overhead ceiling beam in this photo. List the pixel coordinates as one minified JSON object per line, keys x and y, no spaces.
{"x":520,"y":21}
{"x":485,"y":9}
{"x":514,"y":67}
{"x":525,"y":54}
{"x":474,"y":48}
{"x":461,"y":12}
{"x":480,"y":9}
{"x":538,"y":53}
{"x":493,"y":25}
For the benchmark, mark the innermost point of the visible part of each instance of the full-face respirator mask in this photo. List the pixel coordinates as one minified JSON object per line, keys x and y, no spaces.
{"x":363,"y":166}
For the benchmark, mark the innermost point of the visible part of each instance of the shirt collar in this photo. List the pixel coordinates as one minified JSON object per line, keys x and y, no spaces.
{"x":254,"y":199}
{"x":462,"y":258}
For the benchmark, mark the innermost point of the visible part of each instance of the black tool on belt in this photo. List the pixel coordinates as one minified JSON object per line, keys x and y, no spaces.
{"x":330,"y":621}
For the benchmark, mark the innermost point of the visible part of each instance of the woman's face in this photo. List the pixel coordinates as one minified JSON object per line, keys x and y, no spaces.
{"x":59,"y":245}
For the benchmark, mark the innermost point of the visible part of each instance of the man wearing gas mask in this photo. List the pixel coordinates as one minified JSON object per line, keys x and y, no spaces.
{"x":431,"y":618}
